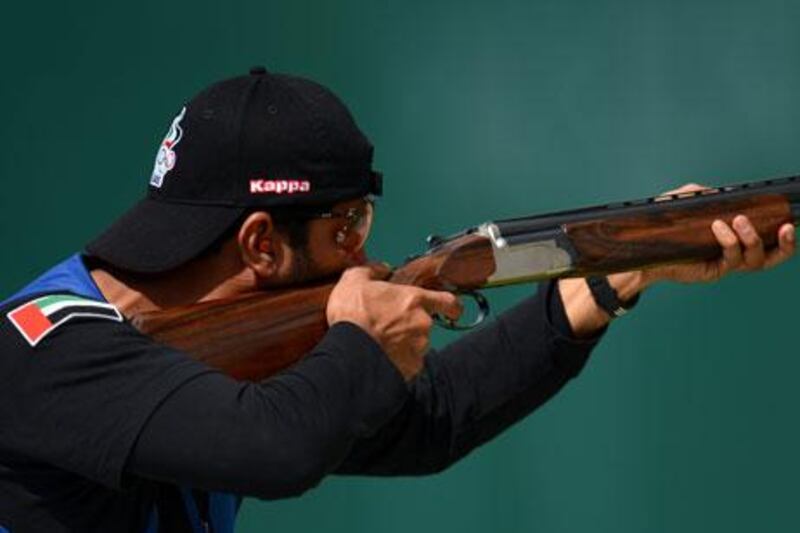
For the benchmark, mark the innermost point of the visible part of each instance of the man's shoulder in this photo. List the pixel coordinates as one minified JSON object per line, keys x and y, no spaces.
{"x":60,"y":306}
{"x":32,"y":319}
{"x":77,"y":383}
{"x":44,"y":336}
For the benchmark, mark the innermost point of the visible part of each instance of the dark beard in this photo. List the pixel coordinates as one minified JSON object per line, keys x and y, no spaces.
{"x":306,"y":271}
{"x":302,"y":268}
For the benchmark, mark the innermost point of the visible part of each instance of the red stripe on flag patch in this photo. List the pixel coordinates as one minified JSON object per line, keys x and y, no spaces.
{"x":30,"y":321}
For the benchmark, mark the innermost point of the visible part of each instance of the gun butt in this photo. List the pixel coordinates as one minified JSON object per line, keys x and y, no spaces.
{"x":252,"y":337}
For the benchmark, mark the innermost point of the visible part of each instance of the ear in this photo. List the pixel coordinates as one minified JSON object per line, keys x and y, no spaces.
{"x":259,"y":244}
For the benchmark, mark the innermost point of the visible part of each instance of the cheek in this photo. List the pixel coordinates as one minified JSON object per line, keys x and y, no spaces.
{"x":325,"y":255}
{"x":360,"y":257}
{"x":323,"y":252}
{"x":286,"y":266}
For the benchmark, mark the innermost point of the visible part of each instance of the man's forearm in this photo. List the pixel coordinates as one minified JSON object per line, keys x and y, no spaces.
{"x":276,"y":438}
{"x":475,"y":388}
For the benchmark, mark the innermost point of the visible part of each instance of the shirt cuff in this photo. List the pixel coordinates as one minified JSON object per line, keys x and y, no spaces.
{"x":572,"y":352}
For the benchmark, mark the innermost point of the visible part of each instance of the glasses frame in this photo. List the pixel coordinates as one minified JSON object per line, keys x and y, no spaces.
{"x":353,"y":215}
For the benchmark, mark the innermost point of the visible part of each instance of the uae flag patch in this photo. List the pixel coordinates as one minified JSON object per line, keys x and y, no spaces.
{"x":37,"y":318}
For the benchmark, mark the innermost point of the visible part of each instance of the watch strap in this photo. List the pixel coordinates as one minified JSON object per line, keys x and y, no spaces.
{"x":607,"y":298}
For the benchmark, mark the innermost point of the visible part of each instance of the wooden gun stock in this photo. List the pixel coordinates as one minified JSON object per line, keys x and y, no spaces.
{"x":248,"y":338}
{"x":256,"y":336}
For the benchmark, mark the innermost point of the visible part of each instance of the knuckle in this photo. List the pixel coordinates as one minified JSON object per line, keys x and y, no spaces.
{"x":752,"y":238}
{"x":418,"y":323}
{"x":421,"y":344}
{"x":426,"y":322}
{"x":413,"y":299}
{"x":751,"y":247}
{"x":354,"y":275}
{"x":357,"y":270}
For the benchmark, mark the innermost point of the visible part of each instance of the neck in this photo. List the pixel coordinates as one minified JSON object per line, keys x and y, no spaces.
{"x":198,"y":281}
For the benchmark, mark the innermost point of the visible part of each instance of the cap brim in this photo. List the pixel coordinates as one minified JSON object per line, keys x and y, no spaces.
{"x":155,"y":236}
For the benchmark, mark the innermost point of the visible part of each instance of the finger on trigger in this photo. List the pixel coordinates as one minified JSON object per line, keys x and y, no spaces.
{"x":443,"y":303}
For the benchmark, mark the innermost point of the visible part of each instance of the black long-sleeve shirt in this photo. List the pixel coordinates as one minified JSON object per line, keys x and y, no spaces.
{"x":96,"y":419}
{"x":283,"y":435}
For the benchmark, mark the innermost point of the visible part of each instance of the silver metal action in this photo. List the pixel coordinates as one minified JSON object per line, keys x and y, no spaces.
{"x":532,"y":260}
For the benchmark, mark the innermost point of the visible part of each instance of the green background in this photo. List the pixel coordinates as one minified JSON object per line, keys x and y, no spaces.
{"x":684,"y":419}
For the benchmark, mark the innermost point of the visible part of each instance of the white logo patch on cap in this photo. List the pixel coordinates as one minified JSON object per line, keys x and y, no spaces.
{"x":165,"y":158}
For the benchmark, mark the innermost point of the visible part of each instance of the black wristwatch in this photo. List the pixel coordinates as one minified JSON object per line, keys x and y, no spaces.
{"x":607,"y":298}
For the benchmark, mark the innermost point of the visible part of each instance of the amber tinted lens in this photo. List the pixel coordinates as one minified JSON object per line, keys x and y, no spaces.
{"x":358,"y":227}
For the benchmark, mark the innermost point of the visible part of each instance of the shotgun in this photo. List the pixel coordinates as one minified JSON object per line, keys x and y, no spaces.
{"x":255,"y":336}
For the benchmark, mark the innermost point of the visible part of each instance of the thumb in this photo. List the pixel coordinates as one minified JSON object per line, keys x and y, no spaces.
{"x":442,"y":303}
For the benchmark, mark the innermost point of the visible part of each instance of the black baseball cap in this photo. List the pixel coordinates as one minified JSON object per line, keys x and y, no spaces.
{"x":262,"y":140}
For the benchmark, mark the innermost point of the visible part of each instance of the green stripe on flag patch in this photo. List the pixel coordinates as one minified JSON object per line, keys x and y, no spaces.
{"x":38,"y":318}
{"x":44,"y":301}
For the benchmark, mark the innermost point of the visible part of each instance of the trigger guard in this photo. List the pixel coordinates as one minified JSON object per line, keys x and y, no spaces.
{"x":483,"y":312}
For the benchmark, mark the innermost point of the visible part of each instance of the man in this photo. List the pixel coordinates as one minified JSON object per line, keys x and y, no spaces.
{"x":265,"y":181}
